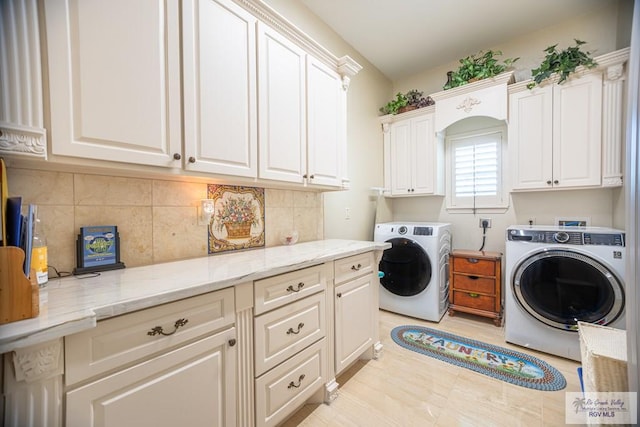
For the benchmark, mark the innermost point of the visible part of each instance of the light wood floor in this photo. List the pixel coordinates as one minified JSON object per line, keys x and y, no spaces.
{"x":404,"y":388}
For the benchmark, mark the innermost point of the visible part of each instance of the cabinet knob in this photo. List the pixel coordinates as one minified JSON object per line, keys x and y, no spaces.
{"x":305,"y":176}
{"x":192,"y":159}
{"x":312,"y":176}
{"x":356,"y":267}
{"x":176,"y":156}
{"x":339,"y":294}
{"x":232,"y":342}
{"x":549,"y":182}
{"x":555,"y":181}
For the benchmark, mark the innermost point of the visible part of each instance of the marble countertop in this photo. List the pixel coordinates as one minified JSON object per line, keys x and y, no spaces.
{"x":74,"y":304}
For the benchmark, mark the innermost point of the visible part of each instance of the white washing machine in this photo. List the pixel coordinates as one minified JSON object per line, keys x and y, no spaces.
{"x":557,"y":276}
{"x":416,"y":268}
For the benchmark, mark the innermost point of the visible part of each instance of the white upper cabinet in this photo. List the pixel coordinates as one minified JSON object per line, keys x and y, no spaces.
{"x":326,"y":127}
{"x":114,"y":80}
{"x":219,"y":87}
{"x":219,"y":72}
{"x":413,"y":155}
{"x":555,"y":135}
{"x":282,"y":119}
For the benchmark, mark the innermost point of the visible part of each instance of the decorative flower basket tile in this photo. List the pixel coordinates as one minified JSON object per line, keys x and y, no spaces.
{"x":238,"y":218}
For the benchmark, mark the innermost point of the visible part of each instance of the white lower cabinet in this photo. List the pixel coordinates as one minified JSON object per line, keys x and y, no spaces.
{"x":193,"y":386}
{"x":354,"y":320}
{"x":246,"y":355}
{"x":290,"y":344}
{"x":356,"y":308}
{"x":166,"y":365}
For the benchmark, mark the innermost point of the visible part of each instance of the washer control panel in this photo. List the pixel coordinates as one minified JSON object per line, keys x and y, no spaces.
{"x":569,"y":237}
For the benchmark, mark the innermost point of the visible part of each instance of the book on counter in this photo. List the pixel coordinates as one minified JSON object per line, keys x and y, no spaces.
{"x":98,"y":249}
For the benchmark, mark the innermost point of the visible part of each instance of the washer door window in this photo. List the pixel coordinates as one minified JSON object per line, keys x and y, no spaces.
{"x":406,"y":267}
{"x":560,"y":288}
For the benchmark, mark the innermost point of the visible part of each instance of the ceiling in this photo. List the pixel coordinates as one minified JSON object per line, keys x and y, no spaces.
{"x":404,"y":37}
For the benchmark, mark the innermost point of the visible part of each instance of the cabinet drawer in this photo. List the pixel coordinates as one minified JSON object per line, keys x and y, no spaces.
{"x":474,"y":300}
{"x":485,"y":285}
{"x":276,"y":291}
{"x":354,"y":266}
{"x":282,"y":390}
{"x":470,"y":265}
{"x":282,"y":333}
{"x":122,"y":340}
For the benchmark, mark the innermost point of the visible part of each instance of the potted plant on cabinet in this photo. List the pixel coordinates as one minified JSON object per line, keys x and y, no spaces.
{"x":404,"y":102}
{"x":562,"y":63}
{"x":481,"y":65}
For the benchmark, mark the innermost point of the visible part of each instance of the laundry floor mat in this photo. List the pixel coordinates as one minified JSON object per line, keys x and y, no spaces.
{"x":491,"y":360}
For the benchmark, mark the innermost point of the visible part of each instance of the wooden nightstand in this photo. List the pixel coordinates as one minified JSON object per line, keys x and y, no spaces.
{"x":475,"y":283}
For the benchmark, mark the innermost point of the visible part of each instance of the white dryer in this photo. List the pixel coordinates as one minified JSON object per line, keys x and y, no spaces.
{"x":415,"y":268}
{"x":557,"y":276}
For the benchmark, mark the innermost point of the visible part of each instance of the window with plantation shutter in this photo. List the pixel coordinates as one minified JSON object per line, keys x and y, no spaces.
{"x":475,"y":170}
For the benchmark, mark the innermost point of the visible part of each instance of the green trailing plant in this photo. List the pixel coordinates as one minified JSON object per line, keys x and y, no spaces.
{"x":395,"y":104}
{"x":562,"y":63}
{"x":412,"y":99}
{"x":481,"y":65}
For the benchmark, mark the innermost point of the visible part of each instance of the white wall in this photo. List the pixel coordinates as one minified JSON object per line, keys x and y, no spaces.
{"x":369,"y":90}
{"x":599,"y":29}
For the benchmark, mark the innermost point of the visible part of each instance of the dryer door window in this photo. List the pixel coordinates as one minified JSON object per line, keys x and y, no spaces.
{"x":562,"y":287}
{"x":406,"y":267}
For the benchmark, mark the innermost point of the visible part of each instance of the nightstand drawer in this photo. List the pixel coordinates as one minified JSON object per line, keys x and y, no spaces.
{"x":483,"y":285}
{"x":470,"y":265}
{"x":474,"y":300}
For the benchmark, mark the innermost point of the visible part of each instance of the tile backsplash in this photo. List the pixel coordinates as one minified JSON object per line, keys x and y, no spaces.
{"x":157,"y":220}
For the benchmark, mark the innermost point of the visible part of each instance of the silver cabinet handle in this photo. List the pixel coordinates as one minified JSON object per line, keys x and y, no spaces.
{"x":157,"y":330}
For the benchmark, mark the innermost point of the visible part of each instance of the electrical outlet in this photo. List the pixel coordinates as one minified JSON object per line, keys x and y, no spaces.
{"x":482,"y":220}
{"x":347,"y":213}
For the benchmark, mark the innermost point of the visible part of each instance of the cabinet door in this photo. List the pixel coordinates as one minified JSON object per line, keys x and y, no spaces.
{"x":423,"y":155}
{"x":281,"y":100}
{"x":114,"y":80}
{"x":401,"y":179}
{"x":577,"y":132}
{"x":530,"y":138}
{"x":354,"y":311}
{"x":220,"y":112}
{"x":326,"y":127}
{"x":191,"y":386}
